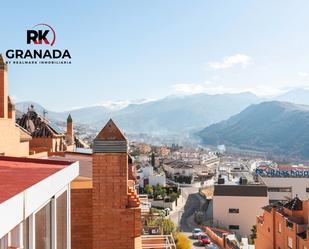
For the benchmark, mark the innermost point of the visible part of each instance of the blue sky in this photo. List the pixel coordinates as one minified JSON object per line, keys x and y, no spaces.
{"x":125,"y":50}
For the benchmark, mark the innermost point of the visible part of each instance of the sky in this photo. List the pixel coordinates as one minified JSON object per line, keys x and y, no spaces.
{"x":131,"y":50}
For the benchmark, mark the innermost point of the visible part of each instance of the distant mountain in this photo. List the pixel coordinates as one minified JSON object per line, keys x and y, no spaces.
{"x":297,"y":96}
{"x":85,"y":115}
{"x":277,"y":127}
{"x":176,"y":114}
{"x":170,"y":115}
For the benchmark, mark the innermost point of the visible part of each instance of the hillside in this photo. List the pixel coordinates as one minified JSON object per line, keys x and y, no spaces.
{"x":275,"y":127}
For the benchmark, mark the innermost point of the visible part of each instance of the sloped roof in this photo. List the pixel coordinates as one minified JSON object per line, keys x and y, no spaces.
{"x":294,"y":204}
{"x":69,"y":119}
{"x":38,"y":126}
{"x":110,"y":132}
{"x":18,"y":174}
{"x":24,"y":134}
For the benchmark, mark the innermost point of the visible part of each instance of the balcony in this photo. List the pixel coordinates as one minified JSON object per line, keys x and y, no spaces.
{"x":158,"y":242}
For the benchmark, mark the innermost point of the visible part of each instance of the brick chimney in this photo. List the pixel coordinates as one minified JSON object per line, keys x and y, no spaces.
{"x":3,"y":89}
{"x":116,"y":211}
{"x":70,"y":131}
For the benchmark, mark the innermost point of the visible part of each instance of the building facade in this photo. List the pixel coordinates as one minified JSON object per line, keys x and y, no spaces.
{"x":14,"y":141}
{"x":283,"y":225}
{"x":285,"y":182}
{"x":235,"y":206}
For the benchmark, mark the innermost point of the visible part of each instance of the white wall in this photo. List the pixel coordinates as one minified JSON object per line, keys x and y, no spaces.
{"x":147,"y":171}
{"x":298,"y":186}
{"x":155,"y":179}
{"x":249,"y":208}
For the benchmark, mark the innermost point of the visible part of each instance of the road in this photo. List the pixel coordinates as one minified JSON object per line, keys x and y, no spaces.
{"x":184,"y":216}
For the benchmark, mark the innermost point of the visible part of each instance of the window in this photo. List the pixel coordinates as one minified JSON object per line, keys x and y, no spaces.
{"x":290,"y":242}
{"x":4,"y":242}
{"x":62,"y":226}
{"x":234,"y":210}
{"x":307,"y":190}
{"x":233,"y":227}
{"x":279,"y":189}
{"x":43,"y":228}
{"x":279,"y":227}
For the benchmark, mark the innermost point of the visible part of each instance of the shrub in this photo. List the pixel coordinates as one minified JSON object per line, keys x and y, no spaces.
{"x":182,"y":242}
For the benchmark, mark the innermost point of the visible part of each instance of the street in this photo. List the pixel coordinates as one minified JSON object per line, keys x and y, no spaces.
{"x":184,"y":216}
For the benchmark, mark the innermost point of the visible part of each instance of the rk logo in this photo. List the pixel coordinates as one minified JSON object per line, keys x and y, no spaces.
{"x":40,"y":35}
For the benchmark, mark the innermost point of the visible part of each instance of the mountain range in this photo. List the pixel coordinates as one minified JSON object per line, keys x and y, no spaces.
{"x":242,"y":120}
{"x":279,"y":128}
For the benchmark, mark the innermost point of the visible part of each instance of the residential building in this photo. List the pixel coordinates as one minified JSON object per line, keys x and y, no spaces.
{"x":35,"y":203}
{"x":14,"y":140}
{"x":178,"y":167}
{"x":283,"y":225}
{"x":46,"y":136}
{"x":147,"y":176}
{"x":237,"y":202}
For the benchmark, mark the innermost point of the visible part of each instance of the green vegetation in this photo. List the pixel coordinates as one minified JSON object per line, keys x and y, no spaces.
{"x":159,"y":192}
{"x":148,"y":190}
{"x":166,"y":224}
{"x":253,"y":234}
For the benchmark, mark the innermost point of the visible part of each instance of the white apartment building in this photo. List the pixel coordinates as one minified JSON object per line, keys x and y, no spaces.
{"x":35,"y":203}
{"x":237,"y":203}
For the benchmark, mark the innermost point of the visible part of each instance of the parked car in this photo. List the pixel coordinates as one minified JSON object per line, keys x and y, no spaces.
{"x":203,"y":239}
{"x":211,"y":246}
{"x":196,"y":233}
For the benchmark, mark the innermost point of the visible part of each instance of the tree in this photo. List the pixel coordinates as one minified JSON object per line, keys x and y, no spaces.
{"x":253,"y":233}
{"x":168,"y":226}
{"x":148,"y":190}
{"x":182,"y":242}
{"x":159,"y":191}
{"x":153,"y":160}
{"x":198,"y":217}
{"x":173,"y":196}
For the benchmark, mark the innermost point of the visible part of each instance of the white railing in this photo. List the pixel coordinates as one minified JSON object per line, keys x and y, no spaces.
{"x":158,"y":241}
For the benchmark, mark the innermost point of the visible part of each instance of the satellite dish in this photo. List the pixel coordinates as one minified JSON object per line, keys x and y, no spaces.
{"x":30,"y":125}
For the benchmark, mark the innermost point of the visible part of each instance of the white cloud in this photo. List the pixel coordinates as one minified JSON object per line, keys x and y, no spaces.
{"x":204,"y":87}
{"x":230,"y":61}
{"x":302,"y":74}
{"x":120,"y":104}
